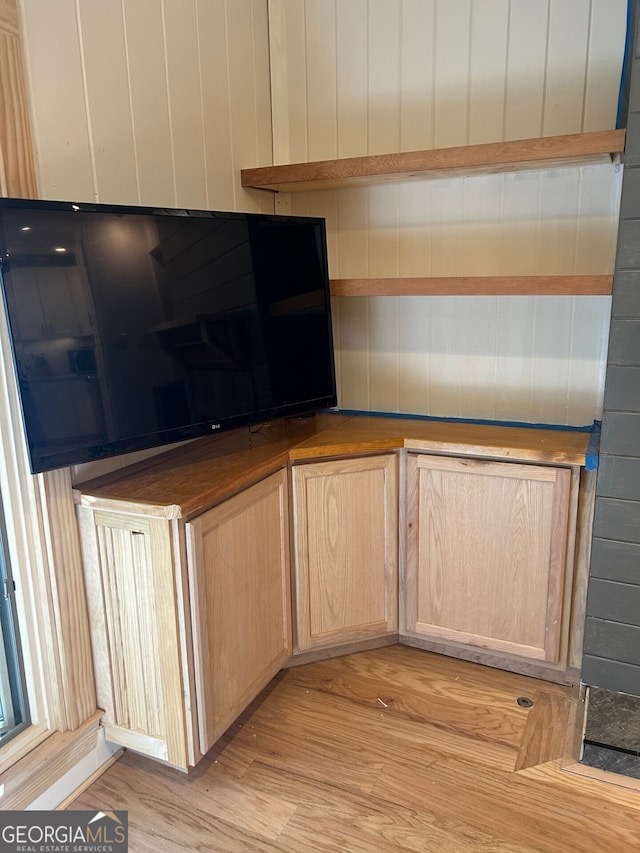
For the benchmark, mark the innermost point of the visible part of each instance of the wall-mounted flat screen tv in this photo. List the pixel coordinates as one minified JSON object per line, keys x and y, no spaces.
{"x":137,"y":327}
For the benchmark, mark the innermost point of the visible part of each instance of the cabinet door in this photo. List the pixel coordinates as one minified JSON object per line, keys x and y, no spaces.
{"x":135,"y":631}
{"x":486,"y":553}
{"x":238,"y":556}
{"x":346,"y":550}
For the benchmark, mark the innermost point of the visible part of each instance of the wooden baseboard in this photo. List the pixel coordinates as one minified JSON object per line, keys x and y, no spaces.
{"x":313,"y":655}
{"x":20,"y":745}
{"x":89,"y":781}
{"x":534,"y":669}
{"x":41,"y":768}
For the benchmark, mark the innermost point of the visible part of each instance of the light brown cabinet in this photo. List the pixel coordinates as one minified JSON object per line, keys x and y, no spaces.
{"x":136,"y":631}
{"x":345,"y":551}
{"x":190,"y":558}
{"x":240,"y":601}
{"x":487,"y":551}
{"x":189,"y":621}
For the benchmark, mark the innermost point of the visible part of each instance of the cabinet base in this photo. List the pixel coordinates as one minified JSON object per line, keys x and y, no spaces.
{"x":544,"y":671}
{"x":534,"y":669}
{"x":335,"y":651}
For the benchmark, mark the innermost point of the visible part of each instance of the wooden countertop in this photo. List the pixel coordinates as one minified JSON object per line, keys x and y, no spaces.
{"x":183,"y":482}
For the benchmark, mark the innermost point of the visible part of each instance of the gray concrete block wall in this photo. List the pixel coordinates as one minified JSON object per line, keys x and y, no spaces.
{"x":612,"y":630}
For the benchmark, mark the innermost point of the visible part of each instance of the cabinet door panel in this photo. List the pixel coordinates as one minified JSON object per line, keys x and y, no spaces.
{"x":131,"y":627}
{"x":346,"y":550}
{"x":486,"y":551}
{"x":240,"y":601}
{"x":144,"y":707}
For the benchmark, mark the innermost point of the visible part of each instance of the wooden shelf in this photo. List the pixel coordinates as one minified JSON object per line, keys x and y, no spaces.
{"x":523,"y":285}
{"x":577,"y":149}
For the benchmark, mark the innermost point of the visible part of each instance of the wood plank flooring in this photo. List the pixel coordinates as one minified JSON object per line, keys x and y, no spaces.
{"x":388,"y":750}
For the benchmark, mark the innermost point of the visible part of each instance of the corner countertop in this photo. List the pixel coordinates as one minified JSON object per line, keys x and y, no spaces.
{"x":183,"y":482}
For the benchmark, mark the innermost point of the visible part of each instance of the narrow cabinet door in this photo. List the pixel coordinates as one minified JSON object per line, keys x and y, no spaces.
{"x":238,"y":555}
{"x":346,"y":550}
{"x":486,"y":553}
{"x":143,"y":693}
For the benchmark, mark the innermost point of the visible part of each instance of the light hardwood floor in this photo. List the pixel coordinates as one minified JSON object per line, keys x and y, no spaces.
{"x":386,"y":750}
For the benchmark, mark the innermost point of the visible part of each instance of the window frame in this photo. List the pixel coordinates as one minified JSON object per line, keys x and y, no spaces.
{"x":42,"y":534}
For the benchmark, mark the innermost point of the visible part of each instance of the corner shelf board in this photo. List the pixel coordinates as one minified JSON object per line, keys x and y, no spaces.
{"x":547,"y":152}
{"x":523,"y":285}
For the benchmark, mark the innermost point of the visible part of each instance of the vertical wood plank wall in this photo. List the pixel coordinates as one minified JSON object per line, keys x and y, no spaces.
{"x":152,"y":102}
{"x":155,"y":102}
{"x":163,"y":101}
{"x":354,"y":77}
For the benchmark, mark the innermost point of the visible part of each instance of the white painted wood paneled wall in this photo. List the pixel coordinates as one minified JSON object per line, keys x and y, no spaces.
{"x":152,"y":102}
{"x":161,"y":102}
{"x":353,"y":77}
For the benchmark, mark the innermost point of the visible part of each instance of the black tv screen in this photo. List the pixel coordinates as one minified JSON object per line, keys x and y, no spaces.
{"x":136,"y":327}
